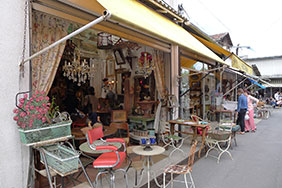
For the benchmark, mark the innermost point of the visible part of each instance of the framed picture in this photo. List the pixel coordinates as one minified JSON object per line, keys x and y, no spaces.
{"x":120,"y":59}
{"x":119,"y":116}
{"x":110,"y":67}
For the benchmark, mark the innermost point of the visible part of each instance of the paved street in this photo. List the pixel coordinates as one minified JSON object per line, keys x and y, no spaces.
{"x":257,"y":160}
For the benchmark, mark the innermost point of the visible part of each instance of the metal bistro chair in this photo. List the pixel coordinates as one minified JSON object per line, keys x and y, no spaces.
{"x":171,"y":140}
{"x":108,"y":160}
{"x":220,"y":139}
{"x":182,"y":169}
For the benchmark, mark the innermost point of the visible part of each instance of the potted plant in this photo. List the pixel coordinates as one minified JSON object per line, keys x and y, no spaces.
{"x":32,"y":117}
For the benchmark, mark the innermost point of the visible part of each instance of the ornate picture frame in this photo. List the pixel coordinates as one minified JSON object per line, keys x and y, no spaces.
{"x":119,"y":57}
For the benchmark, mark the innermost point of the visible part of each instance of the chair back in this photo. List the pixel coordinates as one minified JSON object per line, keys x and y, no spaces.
{"x":191,"y":156}
{"x":226,"y":125}
{"x":94,"y":134}
{"x":165,"y":127}
{"x":196,"y":118}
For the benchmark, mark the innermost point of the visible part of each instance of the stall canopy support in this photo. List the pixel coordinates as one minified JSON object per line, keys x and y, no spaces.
{"x":106,"y":15}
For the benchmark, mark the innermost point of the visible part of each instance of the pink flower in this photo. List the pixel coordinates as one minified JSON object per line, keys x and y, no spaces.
{"x":22,"y":100}
{"x":37,"y":92}
{"x":46,"y":98}
{"x":31,"y":121}
{"x":37,"y":99}
{"x":28,"y":103}
{"x":31,"y":107}
{"x":42,"y":92}
{"x":16,"y":118}
{"x":23,"y":125}
{"x":16,"y":111}
{"x":26,"y":107}
{"x":45,"y":111}
{"x":21,"y":106}
{"x":48,"y":104}
{"x":43,"y":119}
{"x":28,"y":113}
{"x":22,"y":114}
{"x":37,"y":108}
{"x":44,"y":105}
{"x":25,"y":96}
{"x":30,"y":124}
{"x":41,"y":98}
{"x":31,"y":99}
{"x":34,"y":96}
{"x":38,"y":116}
{"x":47,"y":108}
{"x":33,"y":116}
{"x":19,"y":123}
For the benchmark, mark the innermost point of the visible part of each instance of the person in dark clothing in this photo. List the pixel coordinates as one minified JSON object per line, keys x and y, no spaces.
{"x":91,"y":105}
{"x":242,"y":108}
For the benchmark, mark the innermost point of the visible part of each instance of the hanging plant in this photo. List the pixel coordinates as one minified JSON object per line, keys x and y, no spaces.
{"x":32,"y":112}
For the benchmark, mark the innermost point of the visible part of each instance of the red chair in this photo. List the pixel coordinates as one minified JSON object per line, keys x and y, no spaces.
{"x":107,"y":160}
{"x":198,"y":119}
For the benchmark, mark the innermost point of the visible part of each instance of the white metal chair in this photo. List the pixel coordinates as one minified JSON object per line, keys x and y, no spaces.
{"x":171,"y":140}
{"x":182,"y":169}
{"x":220,"y":139}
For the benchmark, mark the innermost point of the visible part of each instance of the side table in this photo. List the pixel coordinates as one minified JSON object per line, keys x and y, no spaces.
{"x":156,"y":150}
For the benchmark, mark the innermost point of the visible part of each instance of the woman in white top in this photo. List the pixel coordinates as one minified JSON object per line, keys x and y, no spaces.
{"x":250,"y":123}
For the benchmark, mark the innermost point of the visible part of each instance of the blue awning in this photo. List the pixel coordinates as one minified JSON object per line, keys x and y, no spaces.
{"x":254,"y":82}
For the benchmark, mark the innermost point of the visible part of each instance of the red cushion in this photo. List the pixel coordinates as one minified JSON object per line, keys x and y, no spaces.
{"x":109,"y":159}
{"x":108,"y":147}
{"x":121,"y":140}
{"x":200,"y":130}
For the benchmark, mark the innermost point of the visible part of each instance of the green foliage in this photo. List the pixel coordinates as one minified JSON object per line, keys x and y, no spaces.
{"x":53,"y":108}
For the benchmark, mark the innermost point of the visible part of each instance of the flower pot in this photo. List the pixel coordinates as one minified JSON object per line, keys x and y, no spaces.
{"x":52,"y":131}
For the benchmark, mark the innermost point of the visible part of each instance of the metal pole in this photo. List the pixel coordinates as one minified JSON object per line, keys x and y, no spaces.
{"x":234,"y":87}
{"x":106,"y":15}
{"x":204,"y":94}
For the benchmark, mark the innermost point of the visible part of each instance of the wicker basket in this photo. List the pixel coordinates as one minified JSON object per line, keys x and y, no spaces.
{"x":54,"y":131}
{"x":61,"y":158}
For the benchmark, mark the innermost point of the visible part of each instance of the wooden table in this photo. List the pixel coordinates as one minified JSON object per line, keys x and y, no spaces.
{"x":194,"y":126}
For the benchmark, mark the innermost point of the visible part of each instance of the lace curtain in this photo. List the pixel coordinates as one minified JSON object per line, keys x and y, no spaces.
{"x":45,"y":31}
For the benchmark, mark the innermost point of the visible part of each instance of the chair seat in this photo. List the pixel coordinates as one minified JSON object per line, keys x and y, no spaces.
{"x":109,"y":159}
{"x":236,"y":128}
{"x":174,"y":137}
{"x":176,"y":169}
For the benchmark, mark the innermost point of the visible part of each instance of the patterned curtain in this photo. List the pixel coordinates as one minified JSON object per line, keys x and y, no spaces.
{"x":159,"y":73}
{"x":45,"y":31}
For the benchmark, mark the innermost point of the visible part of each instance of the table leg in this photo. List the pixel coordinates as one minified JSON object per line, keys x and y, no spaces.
{"x":203,"y":141}
{"x":172,"y":128}
{"x":148,"y":169}
{"x":194,"y":134}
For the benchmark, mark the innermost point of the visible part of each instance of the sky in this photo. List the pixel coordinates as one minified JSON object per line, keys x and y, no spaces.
{"x":253,"y":23}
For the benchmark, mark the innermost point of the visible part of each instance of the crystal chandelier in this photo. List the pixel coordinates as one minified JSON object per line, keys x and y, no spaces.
{"x":145,"y":65}
{"x":78,"y":71}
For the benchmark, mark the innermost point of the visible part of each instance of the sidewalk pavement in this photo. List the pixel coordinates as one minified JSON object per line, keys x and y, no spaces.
{"x":257,"y":160}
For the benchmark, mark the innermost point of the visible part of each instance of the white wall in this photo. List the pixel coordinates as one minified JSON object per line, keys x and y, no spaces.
{"x":268,"y":67}
{"x":14,"y":156}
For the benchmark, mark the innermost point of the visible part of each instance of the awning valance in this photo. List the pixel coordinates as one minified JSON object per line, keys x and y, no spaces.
{"x":139,"y":17}
{"x":241,"y":65}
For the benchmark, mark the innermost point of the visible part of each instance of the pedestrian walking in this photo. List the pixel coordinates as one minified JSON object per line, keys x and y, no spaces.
{"x":250,"y":123}
{"x":242,"y":108}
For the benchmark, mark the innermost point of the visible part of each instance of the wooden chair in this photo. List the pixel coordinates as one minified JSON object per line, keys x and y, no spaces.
{"x":182,"y":169}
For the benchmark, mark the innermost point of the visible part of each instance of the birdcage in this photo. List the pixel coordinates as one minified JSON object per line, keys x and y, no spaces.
{"x":104,"y":41}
